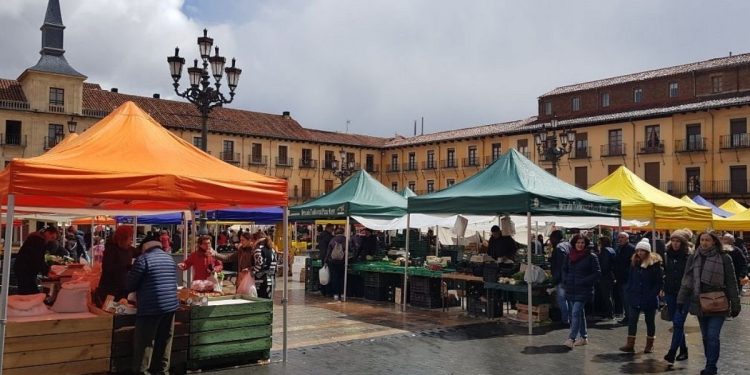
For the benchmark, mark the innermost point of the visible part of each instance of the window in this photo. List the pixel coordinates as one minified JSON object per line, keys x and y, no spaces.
{"x":394,"y":162}
{"x":522,"y":146}
{"x":328,"y":186}
{"x":693,"y":178}
{"x":605,"y":99}
{"x":612,"y":167}
{"x":582,"y":177}
{"x":716,"y":84}
{"x":694,"y":141}
{"x":673,"y":90}
{"x":412,"y":162}
{"x":256,"y":153}
{"x":328,"y":161}
{"x":55,"y":134}
{"x":575,"y":104}
{"x":12,"y":132}
{"x":283,"y":156}
{"x":738,"y":132}
{"x":394,"y":186}
{"x":581,"y":149}
{"x":548,"y":108}
{"x":450,"y":182}
{"x":306,"y":161}
{"x":451,"y":162}
{"x":738,"y":179}
{"x":370,"y":163}
{"x":228,"y":153}
{"x":653,"y":140}
{"x":473,"y":156}
{"x":497,"y":150}
{"x":56,"y":96}
{"x":615,"y":143}
{"x":430,"y":186}
{"x":430,"y":159}
{"x":652,"y":173}
{"x":306,"y":188}
{"x":412,"y":185}
{"x":198,"y":142}
{"x":637,"y":95}
{"x":350,"y":159}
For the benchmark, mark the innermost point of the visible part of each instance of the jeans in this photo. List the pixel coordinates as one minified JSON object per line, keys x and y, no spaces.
{"x":563,"y":303}
{"x":152,"y":343}
{"x":635,"y":313}
{"x":603,"y":298}
{"x":678,"y":322}
{"x":711,"y":330}
{"x":578,"y":320}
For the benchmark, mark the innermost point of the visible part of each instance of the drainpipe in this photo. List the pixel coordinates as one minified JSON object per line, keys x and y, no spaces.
{"x":633,"y":145}
{"x":711,"y":168}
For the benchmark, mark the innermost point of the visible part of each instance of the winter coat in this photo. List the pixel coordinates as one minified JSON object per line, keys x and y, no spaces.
{"x":558,"y":259}
{"x":339,"y":238}
{"x":324,"y":239}
{"x":607,"y":259}
{"x":622,"y":267}
{"x":688,"y":295}
{"x":645,"y":280}
{"x":674,"y":269}
{"x":154,"y":280}
{"x":739,"y":261}
{"x":116,"y":262}
{"x":30,"y":258}
{"x":578,"y":278}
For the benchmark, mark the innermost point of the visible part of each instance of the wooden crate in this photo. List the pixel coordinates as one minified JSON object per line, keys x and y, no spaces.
{"x":539,"y":313}
{"x":233,"y":334}
{"x":59,"y":346}
{"x":123,"y":329}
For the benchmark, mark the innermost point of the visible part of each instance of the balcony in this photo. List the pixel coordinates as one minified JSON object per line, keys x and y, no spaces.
{"x":305,"y":195}
{"x":613,"y":149}
{"x":308,"y":164}
{"x":429,"y":165}
{"x":580,"y":153}
{"x":12,"y":140}
{"x":691,"y":144}
{"x":50,"y":142}
{"x":391,"y":168}
{"x":57,"y":108}
{"x":230,"y":157}
{"x":525,"y":153}
{"x":328,"y":165}
{"x":371,"y":168}
{"x":257,"y":160}
{"x":490,"y":159}
{"x":284,"y":162}
{"x":410,"y":167}
{"x":650,"y":147}
{"x":471,"y":162}
{"x":708,"y":188}
{"x":735,"y":141}
{"x":13,"y":104}
{"x":450,"y":163}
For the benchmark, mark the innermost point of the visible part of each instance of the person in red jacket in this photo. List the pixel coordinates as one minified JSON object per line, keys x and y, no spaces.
{"x":201,"y":261}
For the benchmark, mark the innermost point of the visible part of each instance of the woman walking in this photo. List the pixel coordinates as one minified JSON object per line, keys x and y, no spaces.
{"x":675,"y":259}
{"x":709,"y":270}
{"x":644,"y":284}
{"x":579,"y":274}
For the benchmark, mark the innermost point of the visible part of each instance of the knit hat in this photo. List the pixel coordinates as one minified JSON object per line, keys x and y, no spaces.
{"x":683,"y":235}
{"x":643,"y":245}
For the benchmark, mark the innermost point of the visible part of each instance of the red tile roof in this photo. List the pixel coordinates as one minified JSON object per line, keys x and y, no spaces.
{"x":477,"y":131}
{"x":11,"y":90}
{"x":720,"y":62}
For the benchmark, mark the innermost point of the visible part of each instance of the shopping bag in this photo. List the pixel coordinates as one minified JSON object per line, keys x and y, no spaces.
{"x":246,"y":285}
{"x":324,"y":275}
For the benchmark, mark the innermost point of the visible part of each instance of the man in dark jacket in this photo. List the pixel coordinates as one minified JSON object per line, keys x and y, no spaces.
{"x":324,"y":238}
{"x":500,"y":246}
{"x":738,"y":259}
{"x":154,"y":280}
{"x":336,"y":262}
{"x":603,"y":290}
{"x":30,"y":260}
{"x":81,"y":248}
{"x":560,"y":251}
{"x":625,"y":251}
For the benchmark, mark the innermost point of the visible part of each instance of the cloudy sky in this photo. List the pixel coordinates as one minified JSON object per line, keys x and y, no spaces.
{"x":381,"y":64}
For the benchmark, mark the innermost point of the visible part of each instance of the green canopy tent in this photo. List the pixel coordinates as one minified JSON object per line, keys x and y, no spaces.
{"x":360,"y":195}
{"x":513,"y":184}
{"x":406,"y":193}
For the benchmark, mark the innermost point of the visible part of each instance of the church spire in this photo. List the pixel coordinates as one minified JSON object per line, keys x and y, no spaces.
{"x":53,"y":54}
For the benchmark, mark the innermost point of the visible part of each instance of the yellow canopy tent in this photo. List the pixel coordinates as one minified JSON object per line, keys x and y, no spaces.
{"x":641,"y":201}
{"x":733,"y":206}
{"x":689,"y":201}
{"x":736,"y":222}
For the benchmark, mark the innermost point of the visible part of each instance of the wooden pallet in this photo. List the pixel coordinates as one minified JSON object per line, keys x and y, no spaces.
{"x":539,"y":313}
{"x":59,"y":346}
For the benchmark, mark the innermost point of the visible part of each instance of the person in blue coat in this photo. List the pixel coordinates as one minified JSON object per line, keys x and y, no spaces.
{"x":580,"y":272}
{"x":645,"y":282}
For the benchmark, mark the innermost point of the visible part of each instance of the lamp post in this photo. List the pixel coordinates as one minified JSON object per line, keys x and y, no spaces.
{"x":546,"y":143}
{"x":72,"y":125}
{"x":344,"y":169}
{"x":200,"y":92}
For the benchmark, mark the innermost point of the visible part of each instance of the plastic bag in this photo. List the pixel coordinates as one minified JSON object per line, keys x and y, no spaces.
{"x":534,"y":275}
{"x":324,"y":275}
{"x":246,"y":285}
{"x":215,"y":281}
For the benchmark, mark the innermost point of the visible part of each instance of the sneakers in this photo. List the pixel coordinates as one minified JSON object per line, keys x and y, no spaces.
{"x":335,"y":297}
{"x":569,"y":343}
{"x":581,"y":341}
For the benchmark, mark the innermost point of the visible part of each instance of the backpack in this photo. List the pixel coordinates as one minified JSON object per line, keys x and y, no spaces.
{"x":338,"y":251}
{"x":269,"y":258}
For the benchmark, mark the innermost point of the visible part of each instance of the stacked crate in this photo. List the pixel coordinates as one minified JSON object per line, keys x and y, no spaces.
{"x":312,"y":281}
{"x":379,"y":286}
{"x":425,"y":292}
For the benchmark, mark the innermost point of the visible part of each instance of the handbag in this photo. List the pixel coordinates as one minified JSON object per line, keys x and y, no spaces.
{"x":665,"y":314}
{"x":714,"y":302}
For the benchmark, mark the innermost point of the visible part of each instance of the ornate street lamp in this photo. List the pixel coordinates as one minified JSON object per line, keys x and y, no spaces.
{"x":546,"y":143}
{"x":201,"y":93}
{"x":342,"y":170}
{"x":72,"y":125}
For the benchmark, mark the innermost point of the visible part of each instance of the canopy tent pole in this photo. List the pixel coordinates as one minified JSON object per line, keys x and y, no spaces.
{"x":7,"y":255}
{"x":528,"y":269}
{"x":285,"y":294}
{"x":314,"y":239}
{"x":135,"y":229}
{"x":437,"y":241}
{"x":406,"y":263}
{"x":91,"y":248}
{"x":216,"y":232}
{"x":346,"y":259}
{"x":653,"y":237}
{"x":194,"y":238}
{"x":536,"y":234}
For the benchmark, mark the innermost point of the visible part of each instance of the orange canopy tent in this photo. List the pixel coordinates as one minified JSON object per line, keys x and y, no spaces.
{"x":128,"y":162}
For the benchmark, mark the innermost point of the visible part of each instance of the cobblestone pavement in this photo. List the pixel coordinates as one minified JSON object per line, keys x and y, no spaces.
{"x":501,"y":347}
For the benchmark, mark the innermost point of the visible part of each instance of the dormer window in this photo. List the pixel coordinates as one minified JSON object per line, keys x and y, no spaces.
{"x":56,"y":96}
{"x":575,"y":104}
{"x":637,"y":95}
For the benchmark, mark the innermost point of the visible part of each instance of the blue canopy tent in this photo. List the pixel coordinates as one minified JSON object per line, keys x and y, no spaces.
{"x":258,"y":216}
{"x":716,"y":210}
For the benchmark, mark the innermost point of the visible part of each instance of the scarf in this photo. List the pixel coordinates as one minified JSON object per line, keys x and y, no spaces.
{"x":576,"y":255}
{"x":709,"y":272}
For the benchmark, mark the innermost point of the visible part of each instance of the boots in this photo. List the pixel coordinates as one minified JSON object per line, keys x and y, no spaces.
{"x":683,"y":354}
{"x":649,"y":345}
{"x":629,"y":345}
{"x":670,"y":357}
